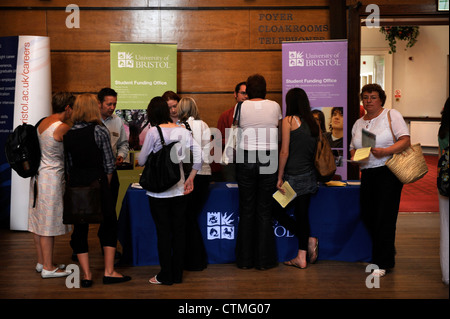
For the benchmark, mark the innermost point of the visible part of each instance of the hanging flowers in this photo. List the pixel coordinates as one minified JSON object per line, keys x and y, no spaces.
{"x":400,"y":33}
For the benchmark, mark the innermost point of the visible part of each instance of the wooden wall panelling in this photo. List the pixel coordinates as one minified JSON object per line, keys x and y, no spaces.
{"x":190,"y":29}
{"x":18,"y":22}
{"x":80,"y":3}
{"x":269,"y":28}
{"x":242,"y":3}
{"x":221,"y":71}
{"x":80,"y":72}
{"x":205,"y":29}
{"x":163,"y":3}
{"x":218,"y":47}
{"x":197,"y":71}
{"x":99,"y":27}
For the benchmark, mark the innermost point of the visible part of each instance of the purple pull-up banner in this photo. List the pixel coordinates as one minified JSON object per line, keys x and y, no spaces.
{"x":320,"y":68}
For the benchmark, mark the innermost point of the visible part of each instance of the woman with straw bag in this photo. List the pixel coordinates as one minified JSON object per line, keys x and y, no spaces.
{"x":380,"y":188}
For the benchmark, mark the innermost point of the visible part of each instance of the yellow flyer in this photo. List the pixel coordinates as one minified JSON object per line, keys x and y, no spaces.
{"x":287,"y":197}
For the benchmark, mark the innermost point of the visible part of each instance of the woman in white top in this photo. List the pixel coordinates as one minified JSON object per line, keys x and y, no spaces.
{"x":380,"y":188}
{"x":168,"y":208}
{"x":189,"y":117}
{"x":256,"y":171}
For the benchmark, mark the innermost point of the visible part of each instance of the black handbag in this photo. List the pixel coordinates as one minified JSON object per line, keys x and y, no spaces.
{"x":160,"y":172}
{"x":83,"y":204}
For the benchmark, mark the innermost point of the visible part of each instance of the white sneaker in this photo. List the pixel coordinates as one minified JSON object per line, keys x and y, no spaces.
{"x":379,"y":273}
{"x":39,"y":267}
{"x":53,"y":273}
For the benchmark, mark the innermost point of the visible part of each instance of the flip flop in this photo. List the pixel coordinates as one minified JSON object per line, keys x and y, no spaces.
{"x":154,"y":281}
{"x":313,"y":255}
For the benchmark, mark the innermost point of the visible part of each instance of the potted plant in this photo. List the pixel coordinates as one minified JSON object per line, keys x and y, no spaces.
{"x":394,"y":33}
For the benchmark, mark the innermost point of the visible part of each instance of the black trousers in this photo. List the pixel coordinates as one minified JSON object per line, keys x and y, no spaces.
{"x":169,"y":215}
{"x":299,"y":225}
{"x":380,"y":201}
{"x":255,"y":242}
{"x":196,"y":257}
{"x":107,"y":232}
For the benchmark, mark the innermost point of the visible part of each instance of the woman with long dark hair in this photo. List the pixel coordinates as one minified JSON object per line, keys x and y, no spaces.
{"x":296,"y":166}
{"x":168,"y":208}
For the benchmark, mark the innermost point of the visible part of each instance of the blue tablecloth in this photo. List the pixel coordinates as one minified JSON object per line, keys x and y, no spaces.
{"x":334,"y":219}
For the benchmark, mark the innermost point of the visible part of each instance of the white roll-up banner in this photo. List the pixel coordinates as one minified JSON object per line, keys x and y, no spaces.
{"x":32,"y":101}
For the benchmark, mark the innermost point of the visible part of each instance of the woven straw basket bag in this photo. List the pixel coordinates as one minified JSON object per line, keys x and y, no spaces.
{"x":409,"y":165}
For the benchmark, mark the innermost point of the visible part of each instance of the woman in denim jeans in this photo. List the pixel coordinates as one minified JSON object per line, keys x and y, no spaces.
{"x":256,"y":176}
{"x":296,"y":166}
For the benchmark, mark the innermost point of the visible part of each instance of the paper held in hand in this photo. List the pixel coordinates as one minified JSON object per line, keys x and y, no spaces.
{"x":362,"y":154}
{"x":287,"y":197}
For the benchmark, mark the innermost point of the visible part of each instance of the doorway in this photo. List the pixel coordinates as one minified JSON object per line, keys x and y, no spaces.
{"x":376,"y":67}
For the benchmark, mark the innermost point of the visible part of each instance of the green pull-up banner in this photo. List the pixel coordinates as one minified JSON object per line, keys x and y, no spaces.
{"x":141,"y":71}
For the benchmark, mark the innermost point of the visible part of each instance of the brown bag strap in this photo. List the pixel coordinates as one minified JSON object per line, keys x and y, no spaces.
{"x":390,"y":126}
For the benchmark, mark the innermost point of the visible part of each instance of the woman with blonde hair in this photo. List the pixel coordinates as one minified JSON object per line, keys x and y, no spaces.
{"x":89,"y":157}
{"x":189,"y":116}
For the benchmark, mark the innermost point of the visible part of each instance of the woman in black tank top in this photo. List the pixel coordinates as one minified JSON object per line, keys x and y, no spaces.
{"x":296,"y":166}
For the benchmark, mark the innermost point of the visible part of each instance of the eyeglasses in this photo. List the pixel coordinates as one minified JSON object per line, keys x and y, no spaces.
{"x":371,"y":97}
{"x":242,"y":92}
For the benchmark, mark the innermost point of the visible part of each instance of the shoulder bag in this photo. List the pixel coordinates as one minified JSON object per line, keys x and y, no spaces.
{"x":231,"y":144}
{"x":409,"y":165}
{"x":83,"y":204}
{"x":160,"y":172}
{"x":442,"y":178}
{"x":324,"y":160}
{"x":189,"y":159}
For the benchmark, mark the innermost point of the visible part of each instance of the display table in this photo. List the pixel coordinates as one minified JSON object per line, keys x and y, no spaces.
{"x":334,"y":219}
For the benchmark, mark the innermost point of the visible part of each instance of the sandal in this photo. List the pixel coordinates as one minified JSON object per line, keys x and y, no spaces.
{"x":314,"y":254}
{"x":154,"y":281}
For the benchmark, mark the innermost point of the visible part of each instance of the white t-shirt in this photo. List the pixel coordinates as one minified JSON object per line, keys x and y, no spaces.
{"x":259,"y":122}
{"x":202,"y":135}
{"x":380,"y":127}
{"x":152,"y":143}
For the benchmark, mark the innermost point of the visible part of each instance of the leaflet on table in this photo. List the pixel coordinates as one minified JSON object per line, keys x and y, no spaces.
{"x":336,"y":183}
{"x":287,"y":197}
